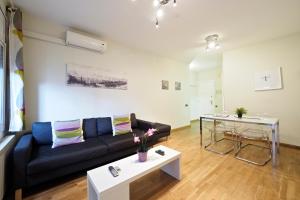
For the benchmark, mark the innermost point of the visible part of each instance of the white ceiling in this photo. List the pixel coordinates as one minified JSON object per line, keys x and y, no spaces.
{"x":182,"y":29}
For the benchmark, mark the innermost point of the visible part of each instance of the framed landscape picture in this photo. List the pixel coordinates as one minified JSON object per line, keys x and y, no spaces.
{"x":93,"y":77}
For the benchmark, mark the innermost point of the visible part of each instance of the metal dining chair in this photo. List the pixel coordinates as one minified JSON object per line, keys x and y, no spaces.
{"x":216,"y":128}
{"x":258,"y":133}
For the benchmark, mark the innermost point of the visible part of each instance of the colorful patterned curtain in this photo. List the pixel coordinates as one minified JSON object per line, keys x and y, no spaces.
{"x":16,"y":77}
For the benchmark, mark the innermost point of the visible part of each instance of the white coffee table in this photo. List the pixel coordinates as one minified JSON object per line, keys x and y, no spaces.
{"x":102,"y":185}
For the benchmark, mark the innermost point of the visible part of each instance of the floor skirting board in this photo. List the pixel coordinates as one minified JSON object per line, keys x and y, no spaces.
{"x":180,"y":128}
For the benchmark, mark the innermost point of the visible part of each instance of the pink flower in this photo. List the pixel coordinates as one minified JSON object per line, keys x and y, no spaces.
{"x":136,"y":139}
{"x":150,"y":132}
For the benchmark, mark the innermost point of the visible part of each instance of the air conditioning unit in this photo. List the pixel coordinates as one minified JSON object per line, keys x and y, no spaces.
{"x":82,"y":41}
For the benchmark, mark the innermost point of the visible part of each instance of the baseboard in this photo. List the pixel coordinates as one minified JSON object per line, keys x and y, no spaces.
{"x":195,"y":120}
{"x":180,"y":128}
{"x":281,"y":144}
{"x":289,"y":145}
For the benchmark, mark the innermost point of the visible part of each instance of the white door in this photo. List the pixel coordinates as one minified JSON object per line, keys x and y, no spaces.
{"x":206,"y":95}
{"x":202,"y":99}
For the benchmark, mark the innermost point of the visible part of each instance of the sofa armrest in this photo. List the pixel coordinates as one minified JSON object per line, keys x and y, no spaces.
{"x":144,"y":125}
{"x":162,"y":128}
{"x":22,"y":155}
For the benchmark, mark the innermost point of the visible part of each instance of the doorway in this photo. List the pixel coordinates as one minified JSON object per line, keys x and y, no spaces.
{"x":206,"y":86}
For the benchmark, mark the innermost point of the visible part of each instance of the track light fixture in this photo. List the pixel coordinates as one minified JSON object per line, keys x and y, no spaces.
{"x":159,"y":4}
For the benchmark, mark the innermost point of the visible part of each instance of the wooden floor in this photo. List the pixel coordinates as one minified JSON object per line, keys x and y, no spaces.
{"x":205,"y":176}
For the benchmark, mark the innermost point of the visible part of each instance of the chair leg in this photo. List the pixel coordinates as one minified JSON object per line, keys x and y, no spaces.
{"x":240,"y":146}
{"x":18,"y":194}
{"x":269,"y":144}
{"x":213,"y":141}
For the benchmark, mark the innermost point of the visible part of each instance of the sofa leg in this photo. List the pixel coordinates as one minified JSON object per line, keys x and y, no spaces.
{"x":18,"y":194}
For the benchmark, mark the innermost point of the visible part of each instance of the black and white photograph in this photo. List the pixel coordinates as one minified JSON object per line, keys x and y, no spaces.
{"x":93,"y":77}
{"x":164,"y":85}
{"x":177,"y":85}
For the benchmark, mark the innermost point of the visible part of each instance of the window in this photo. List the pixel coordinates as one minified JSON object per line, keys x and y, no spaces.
{"x":2,"y":74}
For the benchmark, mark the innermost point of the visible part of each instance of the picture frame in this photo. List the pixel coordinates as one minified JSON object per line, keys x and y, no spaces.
{"x":177,"y":85}
{"x":165,"y":85}
{"x":93,"y":77}
{"x":268,"y":80}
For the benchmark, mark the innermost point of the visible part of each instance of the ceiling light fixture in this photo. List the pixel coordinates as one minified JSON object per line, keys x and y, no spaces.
{"x":159,"y":13}
{"x":159,"y":4}
{"x":156,"y":24}
{"x":212,"y":42}
{"x":156,"y":3}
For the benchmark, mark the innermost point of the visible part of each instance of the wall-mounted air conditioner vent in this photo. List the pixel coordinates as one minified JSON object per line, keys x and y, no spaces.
{"x":82,"y":41}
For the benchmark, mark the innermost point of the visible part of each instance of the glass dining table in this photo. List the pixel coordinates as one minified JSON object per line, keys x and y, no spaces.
{"x":273,"y":123}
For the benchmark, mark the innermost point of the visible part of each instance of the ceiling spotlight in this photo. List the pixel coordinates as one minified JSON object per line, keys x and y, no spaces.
{"x":212,"y":42}
{"x":160,"y":4}
{"x":159,"y":13}
{"x":156,"y":3}
{"x":156,"y":24}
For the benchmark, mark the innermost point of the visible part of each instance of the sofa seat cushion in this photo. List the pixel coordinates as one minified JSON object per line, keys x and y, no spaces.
{"x":45,"y":158}
{"x":118,"y":142}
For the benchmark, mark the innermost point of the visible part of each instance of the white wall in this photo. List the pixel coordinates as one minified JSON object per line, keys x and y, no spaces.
{"x":239,"y":67}
{"x":48,"y":98}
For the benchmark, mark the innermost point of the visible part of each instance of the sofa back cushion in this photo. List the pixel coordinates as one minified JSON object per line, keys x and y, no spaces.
{"x":66,"y":132}
{"x":121,"y":124}
{"x":42,"y":132}
{"x":134,"y":123}
{"x":104,"y":126}
{"x":89,"y":127}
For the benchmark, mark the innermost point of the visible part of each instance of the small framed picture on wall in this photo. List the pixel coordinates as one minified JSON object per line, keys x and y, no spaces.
{"x":177,"y":85}
{"x":164,"y":85}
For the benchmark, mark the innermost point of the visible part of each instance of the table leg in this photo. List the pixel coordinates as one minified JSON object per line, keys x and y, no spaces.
{"x":92,"y":194}
{"x":277,"y":138}
{"x":215,"y":137}
{"x":201,"y":131}
{"x":173,"y":169}
{"x":118,"y":192}
{"x":274,"y":149}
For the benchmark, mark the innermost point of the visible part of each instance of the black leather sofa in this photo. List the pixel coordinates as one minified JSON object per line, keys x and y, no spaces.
{"x":36,"y":162}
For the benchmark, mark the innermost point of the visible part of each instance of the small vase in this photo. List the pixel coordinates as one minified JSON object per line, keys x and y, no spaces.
{"x":142,"y":156}
{"x":240,"y":115}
